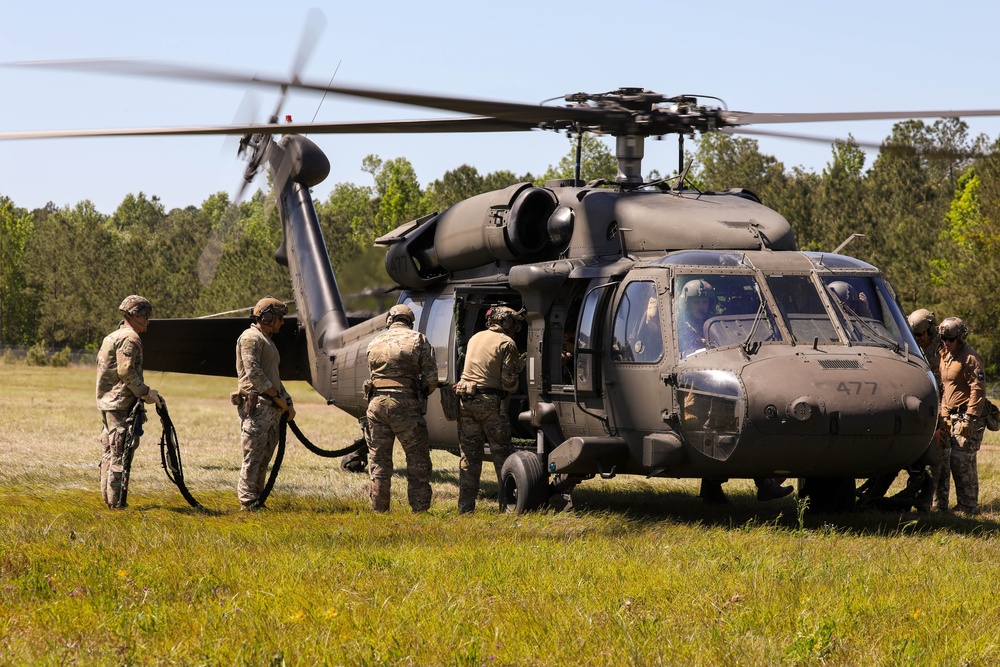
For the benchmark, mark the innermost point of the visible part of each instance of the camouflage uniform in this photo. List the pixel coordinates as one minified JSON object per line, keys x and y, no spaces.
{"x":403,"y":374}
{"x":963,"y":405}
{"x":492,"y":364}
{"x":119,"y":386}
{"x":940,"y":452}
{"x":257,"y":362}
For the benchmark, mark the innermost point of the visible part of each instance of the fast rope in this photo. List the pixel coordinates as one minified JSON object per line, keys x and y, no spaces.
{"x":170,"y":455}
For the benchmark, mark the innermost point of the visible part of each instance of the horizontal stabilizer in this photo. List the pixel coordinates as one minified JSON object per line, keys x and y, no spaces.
{"x":208,"y":346}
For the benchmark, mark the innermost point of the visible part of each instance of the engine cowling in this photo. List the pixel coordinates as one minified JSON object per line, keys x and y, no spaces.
{"x":500,"y":226}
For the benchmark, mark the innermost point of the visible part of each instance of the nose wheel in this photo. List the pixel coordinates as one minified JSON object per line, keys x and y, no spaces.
{"x":524,"y":482}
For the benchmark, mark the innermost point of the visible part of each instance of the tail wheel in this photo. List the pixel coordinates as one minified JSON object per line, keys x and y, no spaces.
{"x":525,"y":482}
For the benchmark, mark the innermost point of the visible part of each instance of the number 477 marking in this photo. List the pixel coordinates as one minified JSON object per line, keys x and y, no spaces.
{"x":855,"y":388}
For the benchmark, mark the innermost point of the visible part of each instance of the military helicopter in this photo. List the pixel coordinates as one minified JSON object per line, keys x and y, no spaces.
{"x":775,"y":377}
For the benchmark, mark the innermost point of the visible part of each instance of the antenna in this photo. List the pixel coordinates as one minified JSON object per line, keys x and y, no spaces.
{"x":846,"y":241}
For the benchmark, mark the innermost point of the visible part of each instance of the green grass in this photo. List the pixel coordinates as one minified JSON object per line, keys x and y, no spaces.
{"x":640,"y":573}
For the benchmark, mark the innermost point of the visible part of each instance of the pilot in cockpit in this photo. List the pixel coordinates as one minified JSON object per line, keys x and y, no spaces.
{"x":697,"y":302}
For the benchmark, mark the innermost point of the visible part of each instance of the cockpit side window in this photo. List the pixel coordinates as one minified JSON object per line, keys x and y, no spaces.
{"x":638,"y":336}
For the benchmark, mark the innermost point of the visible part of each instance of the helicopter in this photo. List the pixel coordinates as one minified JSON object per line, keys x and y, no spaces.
{"x":777,"y":378}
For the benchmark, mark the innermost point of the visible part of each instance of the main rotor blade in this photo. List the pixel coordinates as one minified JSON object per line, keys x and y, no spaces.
{"x":525,"y":113}
{"x":905,"y":149}
{"x":418,"y":126}
{"x":798,"y":137}
{"x":315,"y":23}
{"x":751,"y":118}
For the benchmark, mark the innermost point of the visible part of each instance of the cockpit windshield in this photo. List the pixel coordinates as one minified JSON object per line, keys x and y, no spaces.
{"x":730,"y":308}
{"x":717,"y":310}
{"x":867,"y":311}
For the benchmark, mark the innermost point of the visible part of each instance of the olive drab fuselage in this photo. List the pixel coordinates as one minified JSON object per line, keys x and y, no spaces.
{"x":782,"y":379}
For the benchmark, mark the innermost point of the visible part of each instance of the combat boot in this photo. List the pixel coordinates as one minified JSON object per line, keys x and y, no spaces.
{"x":770,"y":488}
{"x":712,"y":494}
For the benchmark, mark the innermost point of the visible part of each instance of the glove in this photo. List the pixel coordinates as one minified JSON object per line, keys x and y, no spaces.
{"x":153,"y":397}
{"x":285,"y":407}
{"x":969,"y":425}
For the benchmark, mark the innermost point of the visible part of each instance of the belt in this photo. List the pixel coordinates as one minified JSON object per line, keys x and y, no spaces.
{"x":490,"y":391}
{"x":396,"y":392}
{"x":959,"y":410}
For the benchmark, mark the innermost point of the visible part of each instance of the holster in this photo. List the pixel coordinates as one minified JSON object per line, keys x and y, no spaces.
{"x":245,"y":401}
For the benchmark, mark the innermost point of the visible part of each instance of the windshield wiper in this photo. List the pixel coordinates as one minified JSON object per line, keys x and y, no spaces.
{"x":746,"y":346}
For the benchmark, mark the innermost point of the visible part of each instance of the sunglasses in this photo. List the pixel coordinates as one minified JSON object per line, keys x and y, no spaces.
{"x":948,"y":340}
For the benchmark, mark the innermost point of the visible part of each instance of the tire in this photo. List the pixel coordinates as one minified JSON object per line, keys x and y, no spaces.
{"x":525,"y":483}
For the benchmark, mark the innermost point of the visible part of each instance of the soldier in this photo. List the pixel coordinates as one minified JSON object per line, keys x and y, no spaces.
{"x":492,"y":366}
{"x":697,"y":303}
{"x":925,"y":330}
{"x":260,"y":400}
{"x":924,"y":479}
{"x":850,"y":297}
{"x":963,"y":406}
{"x":119,"y":387}
{"x":403,"y":375}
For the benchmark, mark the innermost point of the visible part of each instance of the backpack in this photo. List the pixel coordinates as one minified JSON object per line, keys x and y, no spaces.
{"x":992,"y":416}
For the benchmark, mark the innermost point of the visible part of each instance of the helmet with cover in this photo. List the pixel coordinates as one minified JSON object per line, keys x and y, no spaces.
{"x":505,"y":317}
{"x":953,"y":328}
{"x":921,"y":321}
{"x":400,"y":313}
{"x":136,"y":305}
{"x":268,"y":308}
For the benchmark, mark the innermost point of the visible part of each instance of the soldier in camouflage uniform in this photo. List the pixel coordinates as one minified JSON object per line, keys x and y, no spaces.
{"x":119,"y":386}
{"x":492,"y":366}
{"x":963,"y":406}
{"x":261,"y":399}
{"x":928,"y":475}
{"x":403,"y":374}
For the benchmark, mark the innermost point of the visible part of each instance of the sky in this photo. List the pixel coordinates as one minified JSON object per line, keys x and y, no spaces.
{"x":777,"y":57}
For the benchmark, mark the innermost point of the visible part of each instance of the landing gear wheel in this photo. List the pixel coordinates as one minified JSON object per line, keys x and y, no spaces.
{"x":828,"y":494}
{"x":524,"y":483}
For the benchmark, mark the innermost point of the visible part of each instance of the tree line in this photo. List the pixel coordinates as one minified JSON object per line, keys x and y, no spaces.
{"x":928,"y":208}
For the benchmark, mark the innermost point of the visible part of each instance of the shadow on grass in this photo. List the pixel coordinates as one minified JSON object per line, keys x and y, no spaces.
{"x":645,"y":506}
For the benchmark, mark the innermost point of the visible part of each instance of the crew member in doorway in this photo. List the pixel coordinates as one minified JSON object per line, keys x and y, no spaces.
{"x":492,"y":365}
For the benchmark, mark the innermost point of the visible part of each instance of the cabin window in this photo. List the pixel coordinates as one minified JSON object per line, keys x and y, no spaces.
{"x":638,"y":337}
{"x":588,"y":336}
{"x":440,"y":323}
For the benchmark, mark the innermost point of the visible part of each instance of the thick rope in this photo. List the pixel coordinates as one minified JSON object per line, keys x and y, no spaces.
{"x":170,"y":456}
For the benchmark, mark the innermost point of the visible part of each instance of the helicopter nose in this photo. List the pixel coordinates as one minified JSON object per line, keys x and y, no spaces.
{"x":850,"y":416}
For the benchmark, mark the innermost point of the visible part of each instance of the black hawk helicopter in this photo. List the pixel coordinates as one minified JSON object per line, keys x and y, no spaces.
{"x":670,"y":332}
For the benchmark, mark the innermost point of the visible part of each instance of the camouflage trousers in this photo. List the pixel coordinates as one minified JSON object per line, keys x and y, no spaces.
{"x":258,"y":439}
{"x":390,"y":417}
{"x":483,"y":419}
{"x":113,"y":456}
{"x":964,"y":470}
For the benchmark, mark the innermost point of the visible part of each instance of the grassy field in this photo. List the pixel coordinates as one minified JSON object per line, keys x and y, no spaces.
{"x":640,"y":573}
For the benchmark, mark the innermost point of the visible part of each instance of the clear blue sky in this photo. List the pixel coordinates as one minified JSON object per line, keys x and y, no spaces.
{"x":776,"y":57}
